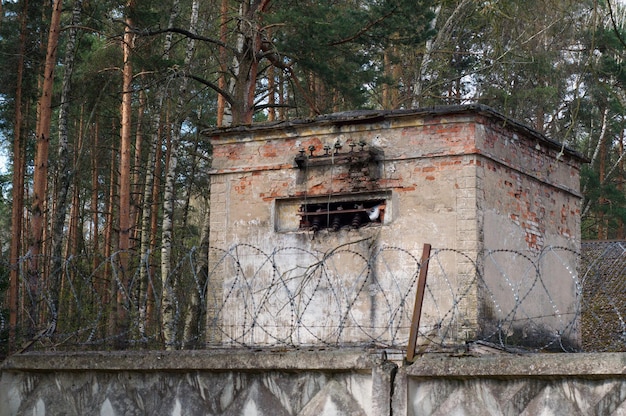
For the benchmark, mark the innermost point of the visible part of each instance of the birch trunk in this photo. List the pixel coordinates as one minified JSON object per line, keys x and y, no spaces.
{"x":135,"y":181}
{"x":150,"y":194}
{"x":65,"y":170}
{"x":170,"y":309}
{"x":594,"y":157}
{"x":144,"y":266}
{"x":443,"y":35}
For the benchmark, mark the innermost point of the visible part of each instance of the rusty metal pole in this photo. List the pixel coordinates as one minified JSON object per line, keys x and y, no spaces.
{"x":419,"y":300}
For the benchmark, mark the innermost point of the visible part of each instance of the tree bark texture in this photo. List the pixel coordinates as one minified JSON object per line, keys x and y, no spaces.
{"x":125,"y":138}
{"x":40,"y":177}
{"x":17,"y":208}
{"x":242,"y":88}
{"x":170,"y":308}
{"x":125,"y":171}
{"x":150,"y":199}
{"x":65,"y":168}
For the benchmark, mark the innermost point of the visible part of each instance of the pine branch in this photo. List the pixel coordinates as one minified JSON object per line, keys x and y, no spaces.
{"x":363,"y":30}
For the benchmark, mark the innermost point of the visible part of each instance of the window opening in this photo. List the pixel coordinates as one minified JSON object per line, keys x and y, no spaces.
{"x":341,"y":214}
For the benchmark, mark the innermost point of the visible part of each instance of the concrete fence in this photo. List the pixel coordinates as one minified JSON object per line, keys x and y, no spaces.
{"x":319,"y":383}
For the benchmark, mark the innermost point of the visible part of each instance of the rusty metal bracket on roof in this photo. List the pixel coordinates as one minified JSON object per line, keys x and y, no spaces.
{"x":333,"y":156}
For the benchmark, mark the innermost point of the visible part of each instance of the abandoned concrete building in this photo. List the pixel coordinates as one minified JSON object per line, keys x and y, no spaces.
{"x":461,"y":178}
{"x":316,"y":230}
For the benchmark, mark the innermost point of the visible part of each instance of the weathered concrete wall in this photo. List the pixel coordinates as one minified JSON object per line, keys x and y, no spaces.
{"x":460,"y":178}
{"x":196,"y":383}
{"x":507,"y":385}
{"x":529,"y":200}
{"x":323,"y":383}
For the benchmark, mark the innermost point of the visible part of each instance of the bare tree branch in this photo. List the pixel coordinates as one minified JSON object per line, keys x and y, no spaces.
{"x":211,"y":85}
{"x":184,"y":32}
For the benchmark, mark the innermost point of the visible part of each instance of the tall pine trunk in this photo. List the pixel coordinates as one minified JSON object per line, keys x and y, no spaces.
{"x":122,"y":300}
{"x":95,"y":215}
{"x":17,"y":209}
{"x":125,"y":137}
{"x":242,"y":88}
{"x":40,"y":176}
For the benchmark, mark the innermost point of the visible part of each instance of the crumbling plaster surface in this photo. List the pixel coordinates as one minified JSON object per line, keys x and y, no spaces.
{"x":462,"y":178}
{"x":425,"y":165}
{"x":529,"y":203}
{"x":446,"y":167}
{"x":429,"y":180}
{"x":528,"y":189}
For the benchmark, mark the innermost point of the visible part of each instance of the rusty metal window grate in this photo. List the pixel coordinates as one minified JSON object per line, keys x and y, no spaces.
{"x":341,"y":214}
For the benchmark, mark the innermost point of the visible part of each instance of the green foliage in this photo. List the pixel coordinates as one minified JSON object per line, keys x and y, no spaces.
{"x":608,"y":205}
{"x":10,"y":29}
{"x":342,"y":43}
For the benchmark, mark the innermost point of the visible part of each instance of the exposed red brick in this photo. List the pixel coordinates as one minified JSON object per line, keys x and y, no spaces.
{"x":406,"y":189}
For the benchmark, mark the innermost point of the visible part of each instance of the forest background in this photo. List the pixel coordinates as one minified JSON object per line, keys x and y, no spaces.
{"x":102,"y":104}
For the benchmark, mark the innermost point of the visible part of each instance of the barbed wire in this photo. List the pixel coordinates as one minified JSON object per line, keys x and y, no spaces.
{"x":356,"y":294}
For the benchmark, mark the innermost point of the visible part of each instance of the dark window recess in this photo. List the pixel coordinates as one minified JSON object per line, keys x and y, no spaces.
{"x":337,"y":215}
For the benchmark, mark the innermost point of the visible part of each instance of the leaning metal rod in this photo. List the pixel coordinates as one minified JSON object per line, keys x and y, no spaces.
{"x":419,"y":300}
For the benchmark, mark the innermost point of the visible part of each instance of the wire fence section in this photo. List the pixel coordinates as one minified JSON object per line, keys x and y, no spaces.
{"x":357,"y":294}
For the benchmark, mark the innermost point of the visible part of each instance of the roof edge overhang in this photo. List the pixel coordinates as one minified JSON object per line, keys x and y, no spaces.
{"x":373,"y":116}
